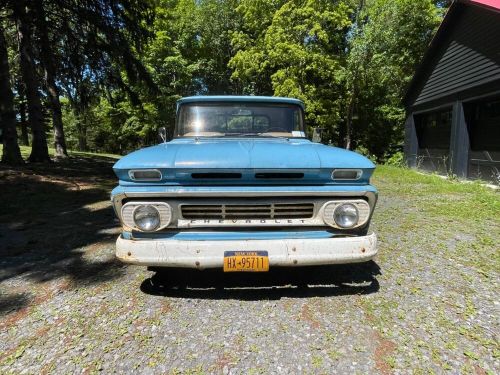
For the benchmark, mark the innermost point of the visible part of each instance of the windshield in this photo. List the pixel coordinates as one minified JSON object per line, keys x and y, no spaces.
{"x":239,"y":119}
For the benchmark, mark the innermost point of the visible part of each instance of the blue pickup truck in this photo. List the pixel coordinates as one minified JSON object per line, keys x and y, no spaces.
{"x":241,"y":188}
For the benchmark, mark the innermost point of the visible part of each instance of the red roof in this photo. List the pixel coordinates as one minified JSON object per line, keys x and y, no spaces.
{"x":489,"y":3}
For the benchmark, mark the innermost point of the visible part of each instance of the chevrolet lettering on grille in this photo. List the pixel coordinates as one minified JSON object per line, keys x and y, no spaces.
{"x":238,"y":222}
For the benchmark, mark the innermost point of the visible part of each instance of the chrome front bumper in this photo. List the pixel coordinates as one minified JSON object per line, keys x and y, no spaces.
{"x":282,"y":252}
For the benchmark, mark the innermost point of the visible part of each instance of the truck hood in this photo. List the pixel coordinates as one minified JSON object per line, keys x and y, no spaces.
{"x":226,"y":154}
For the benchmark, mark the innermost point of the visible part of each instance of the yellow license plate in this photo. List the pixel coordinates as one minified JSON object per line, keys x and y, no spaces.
{"x":246,"y":261}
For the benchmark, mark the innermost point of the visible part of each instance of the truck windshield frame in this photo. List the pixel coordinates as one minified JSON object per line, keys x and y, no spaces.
{"x":233,"y":119}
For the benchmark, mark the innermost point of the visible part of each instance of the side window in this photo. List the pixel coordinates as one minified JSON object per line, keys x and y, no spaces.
{"x":297,"y":121}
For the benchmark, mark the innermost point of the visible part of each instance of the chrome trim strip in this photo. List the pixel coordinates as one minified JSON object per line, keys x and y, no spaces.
{"x":263,"y":193}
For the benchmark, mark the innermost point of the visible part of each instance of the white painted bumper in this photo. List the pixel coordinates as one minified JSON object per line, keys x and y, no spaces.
{"x":282,"y":252}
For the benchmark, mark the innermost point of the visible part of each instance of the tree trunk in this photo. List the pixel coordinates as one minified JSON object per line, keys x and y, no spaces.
{"x":22,"y":114}
{"x":21,"y":91}
{"x":39,"y":150}
{"x":48,"y":63}
{"x":82,"y":133}
{"x":348,"y":130}
{"x":11,"y":153}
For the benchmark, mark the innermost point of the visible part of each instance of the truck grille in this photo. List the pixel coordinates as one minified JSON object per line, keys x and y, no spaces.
{"x":248,"y":211}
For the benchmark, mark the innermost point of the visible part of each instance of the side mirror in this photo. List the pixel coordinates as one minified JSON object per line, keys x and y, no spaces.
{"x":162,"y":133}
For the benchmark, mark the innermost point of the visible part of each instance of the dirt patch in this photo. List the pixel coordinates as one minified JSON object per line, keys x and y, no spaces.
{"x":223,"y":363}
{"x":307,"y":315}
{"x":383,"y":350}
{"x":166,"y":307}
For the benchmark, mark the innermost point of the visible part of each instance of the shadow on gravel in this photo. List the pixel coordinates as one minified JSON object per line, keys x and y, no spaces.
{"x":51,"y":216}
{"x":12,"y":303}
{"x":301,"y":282}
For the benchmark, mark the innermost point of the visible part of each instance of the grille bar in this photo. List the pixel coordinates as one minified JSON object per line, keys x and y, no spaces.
{"x":251,"y":211}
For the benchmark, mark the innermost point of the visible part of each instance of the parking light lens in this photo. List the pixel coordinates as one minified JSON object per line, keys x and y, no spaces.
{"x":145,"y":175}
{"x":347,"y":174}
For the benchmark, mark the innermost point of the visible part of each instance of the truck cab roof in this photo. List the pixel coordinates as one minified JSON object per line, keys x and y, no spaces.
{"x":240,"y":99}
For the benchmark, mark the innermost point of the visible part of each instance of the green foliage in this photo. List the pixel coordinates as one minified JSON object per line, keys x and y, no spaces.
{"x":118,"y":128}
{"x":251,"y":70}
{"x":348,"y":60}
{"x":386,"y":46}
{"x":300,"y":53}
{"x":397,"y":160}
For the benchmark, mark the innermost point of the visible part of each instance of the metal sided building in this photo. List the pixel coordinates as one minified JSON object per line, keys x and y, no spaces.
{"x":453,"y":101}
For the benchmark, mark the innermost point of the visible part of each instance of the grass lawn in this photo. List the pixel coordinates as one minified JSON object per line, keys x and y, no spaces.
{"x":436,"y":207}
{"x":429,"y":304}
{"x":25,"y":152}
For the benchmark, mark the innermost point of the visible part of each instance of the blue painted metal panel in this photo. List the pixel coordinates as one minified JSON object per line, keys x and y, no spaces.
{"x":187,"y":155}
{"x":183,"y":177}
{"x":235,"y":98}
{"x":235,"y":235}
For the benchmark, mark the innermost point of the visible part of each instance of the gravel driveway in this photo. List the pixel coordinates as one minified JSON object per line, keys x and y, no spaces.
{"x":429,"y":304}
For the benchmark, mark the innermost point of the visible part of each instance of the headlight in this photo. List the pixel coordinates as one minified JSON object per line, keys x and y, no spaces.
{"x":346,"y":215}
{"x":146,"y":218}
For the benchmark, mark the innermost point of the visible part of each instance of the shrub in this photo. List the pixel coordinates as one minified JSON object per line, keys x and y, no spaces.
{"x":397,"y":159}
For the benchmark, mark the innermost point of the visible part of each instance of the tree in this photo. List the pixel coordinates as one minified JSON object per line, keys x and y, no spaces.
{"x":301,"y":54}
{"x":384,"y":51}
{"x":11,"y":153}
{"x":217,"y":20}
{"x":21,"y":105}
{"x":49,"y":67}
{"x":23,"y":16}
{"x":116,"y":67}
{"x":99,"y":43}
{"x":251,"y":68}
